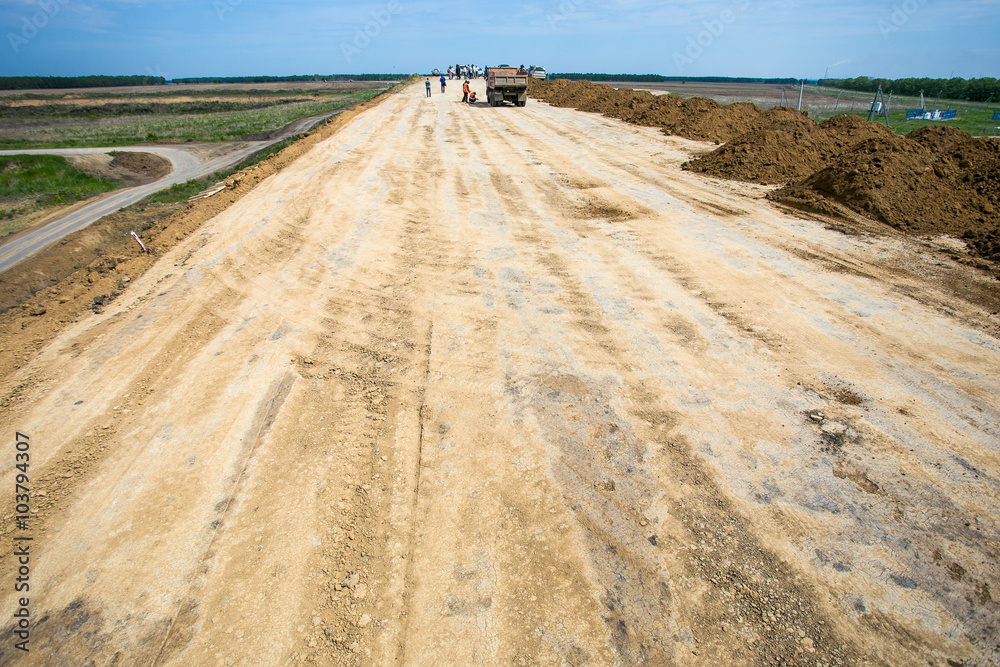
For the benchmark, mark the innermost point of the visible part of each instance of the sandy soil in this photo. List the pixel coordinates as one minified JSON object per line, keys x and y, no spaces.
{"x":506,"y":386}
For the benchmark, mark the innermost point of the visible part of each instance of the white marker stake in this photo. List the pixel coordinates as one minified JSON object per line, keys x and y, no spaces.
{"x":136,"y":237}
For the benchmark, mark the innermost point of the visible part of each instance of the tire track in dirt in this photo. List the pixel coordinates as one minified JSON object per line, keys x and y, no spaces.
{"x":943,"y":592}
{"x":632,"y":605}
{"x":192,"y":340}
{"x":554,"y":401}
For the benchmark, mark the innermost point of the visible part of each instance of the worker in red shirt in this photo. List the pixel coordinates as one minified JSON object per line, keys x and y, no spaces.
{"x":465,"y":91}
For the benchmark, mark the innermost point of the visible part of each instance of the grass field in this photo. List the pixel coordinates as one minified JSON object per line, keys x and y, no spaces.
{"x":976,"y":118}
{"x":45,"y":175}
{"x":101,"y":119}
{"x":29,"y":183}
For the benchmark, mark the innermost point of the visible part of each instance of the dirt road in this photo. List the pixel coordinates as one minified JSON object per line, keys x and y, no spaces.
{"x":473,"y":386}
{"x":191,"y":161}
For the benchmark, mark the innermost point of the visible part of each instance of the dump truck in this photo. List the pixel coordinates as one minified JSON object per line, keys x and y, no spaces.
{"x":507,"y":84}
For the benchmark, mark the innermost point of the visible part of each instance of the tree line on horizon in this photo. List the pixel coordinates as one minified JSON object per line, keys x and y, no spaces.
{"x":955,"y":88}
{"x":49,"y":82}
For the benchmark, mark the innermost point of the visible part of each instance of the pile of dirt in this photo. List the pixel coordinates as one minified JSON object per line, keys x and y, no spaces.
{"x":125,"y":167}
{"x":696,"y":118}
{"x":787,"y":149}
{"x":935,"y":180}
{"x":145,"y":165}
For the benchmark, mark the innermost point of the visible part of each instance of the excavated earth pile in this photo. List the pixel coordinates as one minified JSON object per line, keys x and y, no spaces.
{"x":787,"y":150}
{"x":697,"y":118}
{"x":936,"y":180}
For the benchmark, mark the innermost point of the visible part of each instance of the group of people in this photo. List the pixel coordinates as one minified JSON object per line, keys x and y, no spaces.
{"x":466,"y":71}
{"x":459,"y":72}
{"x":468,"y":95}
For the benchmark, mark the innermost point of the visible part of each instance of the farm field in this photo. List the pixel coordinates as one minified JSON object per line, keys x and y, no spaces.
{"x":202,"y":113}
{"x":456,"y":385}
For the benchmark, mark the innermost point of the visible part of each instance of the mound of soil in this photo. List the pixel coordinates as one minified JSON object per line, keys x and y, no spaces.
{"x":146,"y":165}
{"x":935,"y":180}
{"x":125,"y":167}
{"x":697,"y":118}
{"x":787,"y":148}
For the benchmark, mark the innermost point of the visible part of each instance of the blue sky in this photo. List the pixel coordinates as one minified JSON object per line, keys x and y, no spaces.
{"x":893,"y":38}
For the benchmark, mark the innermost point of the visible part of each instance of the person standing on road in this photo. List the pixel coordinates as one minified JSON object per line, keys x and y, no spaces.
{"x":428,"y":82}
{"x":442,"y":83}
{"x":465,"y":91}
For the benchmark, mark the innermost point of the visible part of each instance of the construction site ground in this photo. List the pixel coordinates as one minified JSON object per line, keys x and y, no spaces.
{"x":474,"y":386}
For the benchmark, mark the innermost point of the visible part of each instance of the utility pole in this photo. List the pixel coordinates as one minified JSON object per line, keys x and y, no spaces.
{"x":878,"y":104}
{"x":837,"y":102}
{"x":923,"y":105}
{"x":802,"y":86}
{"x":782,"y":102}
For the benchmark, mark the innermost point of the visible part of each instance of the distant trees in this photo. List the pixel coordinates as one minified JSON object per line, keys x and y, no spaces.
{"x":956,"y":88}
{"x":49,"y":82}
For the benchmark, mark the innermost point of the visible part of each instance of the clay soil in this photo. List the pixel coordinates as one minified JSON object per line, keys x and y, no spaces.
{"x":454,"y":385}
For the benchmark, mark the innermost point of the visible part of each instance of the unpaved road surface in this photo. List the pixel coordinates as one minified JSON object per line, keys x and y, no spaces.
{"x":190,"y":161}
{"x":473,"y":386}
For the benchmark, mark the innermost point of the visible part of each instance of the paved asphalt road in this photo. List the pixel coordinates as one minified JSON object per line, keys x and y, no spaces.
{"x":188,"y":165}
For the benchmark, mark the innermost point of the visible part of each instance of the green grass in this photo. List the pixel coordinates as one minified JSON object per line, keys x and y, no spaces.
{"x":47,"y":177}
{"x":32,"y":183}
{"x":127,"y":130}
{"x":975,"y":122}
{"x":976,"y":118}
